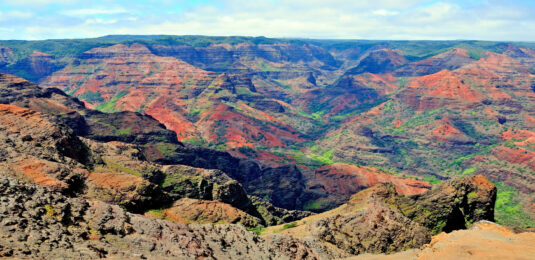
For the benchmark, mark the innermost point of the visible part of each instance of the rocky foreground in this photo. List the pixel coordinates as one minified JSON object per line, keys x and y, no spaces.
{"x":484,"y":240}
{"x":37,"y":222}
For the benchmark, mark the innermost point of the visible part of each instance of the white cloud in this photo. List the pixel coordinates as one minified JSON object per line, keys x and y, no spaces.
{"x":94,"y":11}
{"x":38,"y":2}
{"x":99,"y":21}
{"x":379,"y":19}
{"x":384,"y":12}
{"x":14,"y":15}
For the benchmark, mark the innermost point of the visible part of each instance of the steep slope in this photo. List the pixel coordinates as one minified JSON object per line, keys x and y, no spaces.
{"x":450,"y":60}
{"x":340,"y":181}
{"x":115,"y":172}
{"x":72,"y":194}
{"x":379,"y":220}
{"x":378,"y":62}
{"x":5,"y":55}
{"x":151,"y":141}
{"x":198,"y":105}
{"x":449,"y":123}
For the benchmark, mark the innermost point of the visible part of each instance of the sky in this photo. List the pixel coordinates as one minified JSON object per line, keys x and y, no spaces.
{"x":505,"y":20}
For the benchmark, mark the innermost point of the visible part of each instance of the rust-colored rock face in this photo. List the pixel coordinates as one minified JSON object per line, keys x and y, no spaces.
{"x":188,"y":100}
{"x":143,"y":81}
{"x":34,"y":148}
{"x":206,"y":212}
{"x":346,"y":179}
{"x":41,"y":63}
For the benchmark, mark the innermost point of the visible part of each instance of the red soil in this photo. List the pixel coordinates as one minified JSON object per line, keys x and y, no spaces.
{"x":445,"y":84}
{"x":348,"y":179}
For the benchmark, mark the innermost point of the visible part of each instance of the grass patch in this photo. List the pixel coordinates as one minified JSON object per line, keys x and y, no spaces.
{"x":165,"y":148}
{"x":288,"y":226}
{"x":115,"y":167}
{"x":325,"y":158}
{"x":194,"y":141}
{"x":469,"y":171}
{"x":110,"y":105}
{"x":509,"y":210}
{"x":259,"y":230}
{"x":156,"y":213}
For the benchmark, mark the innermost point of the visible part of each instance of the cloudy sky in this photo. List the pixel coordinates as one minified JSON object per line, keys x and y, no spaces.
{"x":512,"y":20}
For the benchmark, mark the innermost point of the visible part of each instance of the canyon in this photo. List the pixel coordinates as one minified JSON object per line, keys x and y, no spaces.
{"x":288,"y":145}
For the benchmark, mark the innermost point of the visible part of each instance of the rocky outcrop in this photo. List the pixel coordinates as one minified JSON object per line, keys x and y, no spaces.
{"x":187,"y":182}
{"x":38,"y":223}
{"x":274,"y":215}
{"x":206,"y":212}
{"x":283,"y":186}
{"x":128,"y":127}
{"x":454,"y":204}
{"x":379,"y":220}
{"x":39,"y":149}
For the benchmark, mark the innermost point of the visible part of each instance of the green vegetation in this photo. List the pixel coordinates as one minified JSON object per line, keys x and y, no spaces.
{"x":258,"y":230}
{"x":364,"y":107}
{"x":469,"y":171}
{"x":195,"y":112}
{"x":181,"y":182}
{"x":157,"y":213}
{"x":288,"y":226}
{"x":264,"y":66}
{"x":50,"y":210}
{"x":110,"y":105}
{"x":125,"y":131}
{"x":457,"y":162}
{"x":422,"y":118}
{"x":91,"y":97}
{"x":248,"y":151}
{"x":432,"y":179}
{"x":472,"y":195}
{"x":315,"y":205}
{"x":509,"y":209}
{"x":165,"y":148}
{"x":325,"y":158}
{"x":115,"y":167}
{"x":194,"y":141}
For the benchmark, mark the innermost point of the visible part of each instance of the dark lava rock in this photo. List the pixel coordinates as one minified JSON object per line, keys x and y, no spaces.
{"x":43,"y":224}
